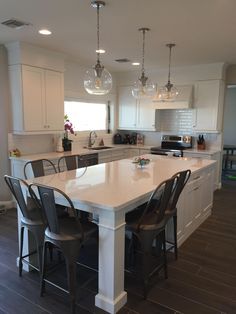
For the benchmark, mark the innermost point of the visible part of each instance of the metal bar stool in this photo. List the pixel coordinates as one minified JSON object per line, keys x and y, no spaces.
{"x":66,"y":234}
{"x":32,"y":219}
{"x":147,"y":242}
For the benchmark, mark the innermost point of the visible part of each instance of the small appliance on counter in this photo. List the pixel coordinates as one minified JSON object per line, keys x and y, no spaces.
{"x":117,"y":139}
{"x":133,"y":139}
{"x":127,"y":139}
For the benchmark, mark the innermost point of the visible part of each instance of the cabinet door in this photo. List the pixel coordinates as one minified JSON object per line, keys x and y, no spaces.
{"x":209,"y":105}
{"x":33,"y":98}
{"x":133,"y":152}
{"x":193,"y":208}
{"x":54,"y":100}
{"x":146,"y":115}
{"x":127,"y":108}
{"x":207,"y":192}
{"x":105,"y":156}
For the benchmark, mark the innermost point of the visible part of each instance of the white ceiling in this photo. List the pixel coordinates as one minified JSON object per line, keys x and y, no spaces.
{"x":203,"y":30}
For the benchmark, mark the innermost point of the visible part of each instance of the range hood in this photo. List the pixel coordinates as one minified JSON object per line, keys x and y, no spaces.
{"x":182,"y":101}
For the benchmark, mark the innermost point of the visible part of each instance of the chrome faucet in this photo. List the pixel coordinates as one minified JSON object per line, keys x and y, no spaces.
{"x":91,"y":140}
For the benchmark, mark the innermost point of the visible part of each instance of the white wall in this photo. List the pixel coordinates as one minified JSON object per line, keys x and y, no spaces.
{"x":179,"y":76}
{"x":229,"y":137}
{"x":4,"y":124}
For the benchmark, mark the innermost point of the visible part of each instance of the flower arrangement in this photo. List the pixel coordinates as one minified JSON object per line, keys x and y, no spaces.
{"x":68,"y":127}
{"x":141,"y":161}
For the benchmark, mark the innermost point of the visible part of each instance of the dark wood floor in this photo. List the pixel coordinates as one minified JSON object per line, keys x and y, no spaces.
{"x":203,"y":280}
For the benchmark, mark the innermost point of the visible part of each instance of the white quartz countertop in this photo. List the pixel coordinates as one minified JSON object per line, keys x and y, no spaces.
{"x":119,"y":184}
{"x":79,"y":151}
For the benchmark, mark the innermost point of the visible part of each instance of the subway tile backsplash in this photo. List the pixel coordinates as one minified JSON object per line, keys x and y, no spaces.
{"x":180,"y":120}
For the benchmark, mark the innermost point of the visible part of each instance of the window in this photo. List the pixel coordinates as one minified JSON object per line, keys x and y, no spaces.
{"x":86,"y":116}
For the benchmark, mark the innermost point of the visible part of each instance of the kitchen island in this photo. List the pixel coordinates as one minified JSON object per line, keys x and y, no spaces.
{"x":112,"y":189}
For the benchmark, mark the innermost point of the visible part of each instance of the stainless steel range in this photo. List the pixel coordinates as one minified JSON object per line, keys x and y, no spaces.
{"x":173,"y":145}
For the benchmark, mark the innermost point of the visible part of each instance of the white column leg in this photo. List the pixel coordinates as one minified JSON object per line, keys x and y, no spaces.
{"x":111,"y":295}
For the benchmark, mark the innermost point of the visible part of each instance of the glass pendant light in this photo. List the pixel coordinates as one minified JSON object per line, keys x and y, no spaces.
{"x":168,"y":92}
{"x":98,"y":80}
{"x":143,"y":88}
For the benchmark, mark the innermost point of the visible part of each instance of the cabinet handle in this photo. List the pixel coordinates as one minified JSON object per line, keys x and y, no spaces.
{"x":198,"y":177}
{"x":196,"y":188}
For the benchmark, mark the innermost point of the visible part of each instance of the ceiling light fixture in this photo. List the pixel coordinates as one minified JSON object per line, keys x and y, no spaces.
{"x":168,"y":92}
{"x":98,"y":80}
{"x":45,"y":32}
{"x":142,"y":87}
{"x":135,"y":63}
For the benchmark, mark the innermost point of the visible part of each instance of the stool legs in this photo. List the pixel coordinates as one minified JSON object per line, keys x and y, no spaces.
{"x":21,"y":250}
{"x":175,"y":236}
{"x":71,"y":279}
{"x":164,"y":254}
{"x":42,"y":281}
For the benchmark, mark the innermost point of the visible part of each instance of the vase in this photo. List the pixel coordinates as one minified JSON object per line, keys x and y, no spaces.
{"x":66,"y":143}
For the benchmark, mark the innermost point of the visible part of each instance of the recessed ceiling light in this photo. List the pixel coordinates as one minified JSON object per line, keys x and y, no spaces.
{"x":135,"y":63}
{"x":45,"y":32}
{"x":100,"y":51}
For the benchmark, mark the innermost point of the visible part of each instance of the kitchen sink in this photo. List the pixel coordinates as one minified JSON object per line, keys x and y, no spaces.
{"x":100,"y":147}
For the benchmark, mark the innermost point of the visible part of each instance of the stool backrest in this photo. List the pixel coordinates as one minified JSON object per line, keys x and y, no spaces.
{"x":71,"y":162}
{"x":47,"y":199}
{"x":183,"y":177}
{"x":38,"y":167}
{"x":158,"y":203}
{"x":15,"y":186}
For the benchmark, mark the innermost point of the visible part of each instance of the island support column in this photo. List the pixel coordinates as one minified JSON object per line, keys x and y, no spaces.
{"x":111,"y":295}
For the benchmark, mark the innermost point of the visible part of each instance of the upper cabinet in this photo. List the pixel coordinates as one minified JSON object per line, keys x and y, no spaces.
{"x":135,"y":114}
{"x":37,"y":97}
{"x":37,"y":89}
{"x":209,"y":102}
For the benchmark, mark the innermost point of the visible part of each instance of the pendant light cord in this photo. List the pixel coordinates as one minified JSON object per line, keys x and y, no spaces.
{"x":170,"y":46}
{"x":98,"y":34}
{"x":144,"y":31}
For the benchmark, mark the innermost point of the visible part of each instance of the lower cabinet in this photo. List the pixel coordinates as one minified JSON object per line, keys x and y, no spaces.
{"x":213,"y":156}
{"x":194,"y":205}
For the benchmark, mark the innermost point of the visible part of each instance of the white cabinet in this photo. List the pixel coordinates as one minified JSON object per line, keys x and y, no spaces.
{"x":194,"y":205}
{"x":213,"y":156}
{"x":135,"y":114}
{"x":209,"y":102}
{"x":193,"y":209}
{"x":206,"y":197}
{"x":111,"y":155}
{"x":37,"y":97}
{"x":104,"y":156}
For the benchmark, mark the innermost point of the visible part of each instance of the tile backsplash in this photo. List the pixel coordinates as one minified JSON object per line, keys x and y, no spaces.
{"x":180,"y":120}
